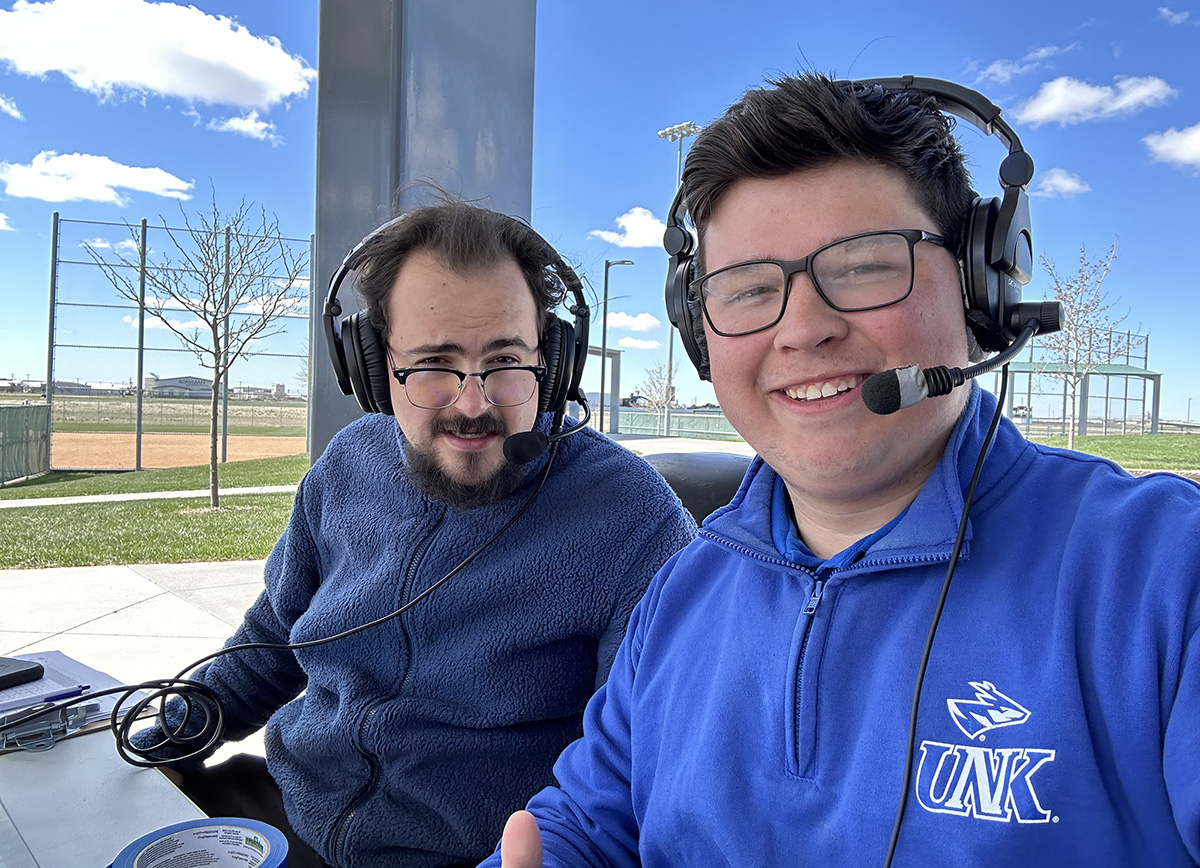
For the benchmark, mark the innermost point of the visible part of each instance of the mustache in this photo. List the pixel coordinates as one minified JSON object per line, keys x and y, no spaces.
{"x":462,"y":426}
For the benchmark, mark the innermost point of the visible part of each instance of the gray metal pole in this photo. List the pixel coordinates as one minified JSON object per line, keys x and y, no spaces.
{"x":412,"y":90}
{"x":225,"y":360}
{"x":608,"y":263}
{"x":670,"y":330}
{"x":49,"y":390}
{"x":141,"y":348}
{"x":308,"y":388}
{"x":603,"y":345}
{"x":614,"y":405}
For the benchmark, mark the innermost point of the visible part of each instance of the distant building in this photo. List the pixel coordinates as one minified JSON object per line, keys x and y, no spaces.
{"x":177,"y":387}
{"x":71,"y":387}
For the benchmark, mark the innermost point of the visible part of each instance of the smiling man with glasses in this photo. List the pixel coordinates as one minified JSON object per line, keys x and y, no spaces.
{"x":803,"y":685}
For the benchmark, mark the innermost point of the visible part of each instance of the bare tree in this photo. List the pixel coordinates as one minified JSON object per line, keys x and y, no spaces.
{"x":657,"y":391}
{"x":1088,"y":339}
{"x":233,"y":272}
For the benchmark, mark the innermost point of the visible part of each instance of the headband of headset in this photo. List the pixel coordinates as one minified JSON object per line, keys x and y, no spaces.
{"x":358,"y":354}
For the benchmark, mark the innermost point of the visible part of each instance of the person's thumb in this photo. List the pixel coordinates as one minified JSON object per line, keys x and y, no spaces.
{"x":521,"y":846}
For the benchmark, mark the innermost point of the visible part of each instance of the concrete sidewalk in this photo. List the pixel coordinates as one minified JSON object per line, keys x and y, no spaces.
{"x":135,"y":623}
{"x":139,"y":495}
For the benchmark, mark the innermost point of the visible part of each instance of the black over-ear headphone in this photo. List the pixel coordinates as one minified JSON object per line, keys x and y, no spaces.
{"x":997,"y":243}
{"x":359,"y":355}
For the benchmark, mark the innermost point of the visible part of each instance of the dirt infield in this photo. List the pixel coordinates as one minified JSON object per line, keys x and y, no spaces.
{"x":70,"y":450}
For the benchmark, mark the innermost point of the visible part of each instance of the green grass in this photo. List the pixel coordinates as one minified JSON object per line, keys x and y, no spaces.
{"x":235,"y":474}
{"x":1139,"y":451}
{"x":143,"y":532}
{"x":247,"y":526}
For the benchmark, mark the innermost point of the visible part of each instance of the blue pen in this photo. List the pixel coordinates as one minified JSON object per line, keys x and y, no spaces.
{"x":68,"y":694}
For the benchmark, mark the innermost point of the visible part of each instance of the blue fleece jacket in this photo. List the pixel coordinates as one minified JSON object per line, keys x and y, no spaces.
{"x":757,"y":711}
{"x":413,"y":740}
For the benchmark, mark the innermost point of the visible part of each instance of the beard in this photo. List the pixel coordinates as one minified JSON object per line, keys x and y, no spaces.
{"x":427,"y":473}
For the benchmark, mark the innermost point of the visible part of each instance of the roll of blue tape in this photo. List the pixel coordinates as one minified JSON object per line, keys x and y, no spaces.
{"x":216,"y":842}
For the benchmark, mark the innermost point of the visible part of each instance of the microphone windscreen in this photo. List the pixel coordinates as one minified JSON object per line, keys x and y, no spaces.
{"x":897,"y":389}
{"x":880,"y":392}
{"x":525,"y":447}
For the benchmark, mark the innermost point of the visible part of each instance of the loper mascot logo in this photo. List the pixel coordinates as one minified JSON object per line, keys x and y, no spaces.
{"x":985,"y":783}
{"x":990,"y":709}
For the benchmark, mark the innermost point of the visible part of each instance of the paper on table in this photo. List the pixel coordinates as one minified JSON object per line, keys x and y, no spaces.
{"x":62,"y":673}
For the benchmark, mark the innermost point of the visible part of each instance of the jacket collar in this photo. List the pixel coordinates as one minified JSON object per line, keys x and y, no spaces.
{"x":927,"y":529}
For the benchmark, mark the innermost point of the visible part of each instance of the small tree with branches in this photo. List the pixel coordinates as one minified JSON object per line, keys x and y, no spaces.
{"x":1088,"y":339}
{"x":233,"y":272}
{"x":657,"y":392}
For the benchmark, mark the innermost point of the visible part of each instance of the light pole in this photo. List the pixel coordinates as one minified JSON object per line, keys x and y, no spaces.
{"x":1189,"y":411}
{"x":677,"y":133}
{"x":608,"y":263}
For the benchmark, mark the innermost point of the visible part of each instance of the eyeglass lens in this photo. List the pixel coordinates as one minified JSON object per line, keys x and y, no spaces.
{"x":502,"y":387}
{"x":854,"y":274}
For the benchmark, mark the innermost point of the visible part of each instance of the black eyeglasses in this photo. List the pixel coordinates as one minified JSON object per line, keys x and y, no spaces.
{"x":862,"y":272}
{"x":438,"y":388}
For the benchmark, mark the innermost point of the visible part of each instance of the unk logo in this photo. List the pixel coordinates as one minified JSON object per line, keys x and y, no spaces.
{"x":986,"y":783}
{"x":990,"y":709}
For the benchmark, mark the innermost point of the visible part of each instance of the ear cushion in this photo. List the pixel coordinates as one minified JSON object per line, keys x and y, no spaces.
{"x":684,"y":311}
{"x":558,"y":336}
{"x":982,"y":282}
{"x":367,"y":360}
{"x":695,"y":341}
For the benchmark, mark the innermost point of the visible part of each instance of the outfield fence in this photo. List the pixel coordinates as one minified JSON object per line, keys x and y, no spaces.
{"x":24,"y":448}
{"x":702,"y":424}
{"x":126,"y":385}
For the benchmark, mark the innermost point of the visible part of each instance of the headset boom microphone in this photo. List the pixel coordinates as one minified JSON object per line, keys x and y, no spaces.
{"x":888,"y":391}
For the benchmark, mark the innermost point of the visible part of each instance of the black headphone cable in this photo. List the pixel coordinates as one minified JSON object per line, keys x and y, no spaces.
{"x":937,"y":616}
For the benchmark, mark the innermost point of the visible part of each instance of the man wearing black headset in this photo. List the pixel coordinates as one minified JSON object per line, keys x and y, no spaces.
{"x":758,"y":710}
{"x":409,"y":742}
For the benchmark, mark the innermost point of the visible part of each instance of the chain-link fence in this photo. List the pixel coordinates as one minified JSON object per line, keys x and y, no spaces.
{"x":702,"y":424}
{"x":131,"y":336}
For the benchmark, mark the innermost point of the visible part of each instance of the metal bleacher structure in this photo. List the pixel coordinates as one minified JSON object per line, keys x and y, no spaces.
{"x":1118,"y":394}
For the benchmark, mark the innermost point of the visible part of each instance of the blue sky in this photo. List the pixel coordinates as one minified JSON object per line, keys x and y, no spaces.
{"x":103,"y":117}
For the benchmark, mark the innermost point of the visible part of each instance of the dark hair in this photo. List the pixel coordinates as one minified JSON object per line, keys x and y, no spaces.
{"x":464,"y":238}
{"x":809,"y":120}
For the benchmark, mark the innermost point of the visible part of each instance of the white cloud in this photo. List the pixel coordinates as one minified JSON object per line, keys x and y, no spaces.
{"x":1003,"y":71}
{"x":1059,"y":183}
{"x":289,"y":307}
{"x":95,"y":244}
{"x":643,"y":322}
{"x":134,"y":47}
{"x":1178,"y":147}
{"x":1172,"y":18}
{"x":130,"y":246}
{"x":9,"y":107}
{"x":54,"y":177}
{"x":636,"y":344}
{"x":4,"y":227}
{"x":1067,"y":100}
{"x":154,"y":322}
{"x":639,"y":228}
{"x":250,"y":126}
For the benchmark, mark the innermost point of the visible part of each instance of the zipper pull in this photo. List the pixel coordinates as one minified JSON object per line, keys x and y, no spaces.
{"x":811,"y":605}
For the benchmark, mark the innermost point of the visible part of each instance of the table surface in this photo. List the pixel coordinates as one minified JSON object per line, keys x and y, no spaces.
{"x":79,"y":804}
